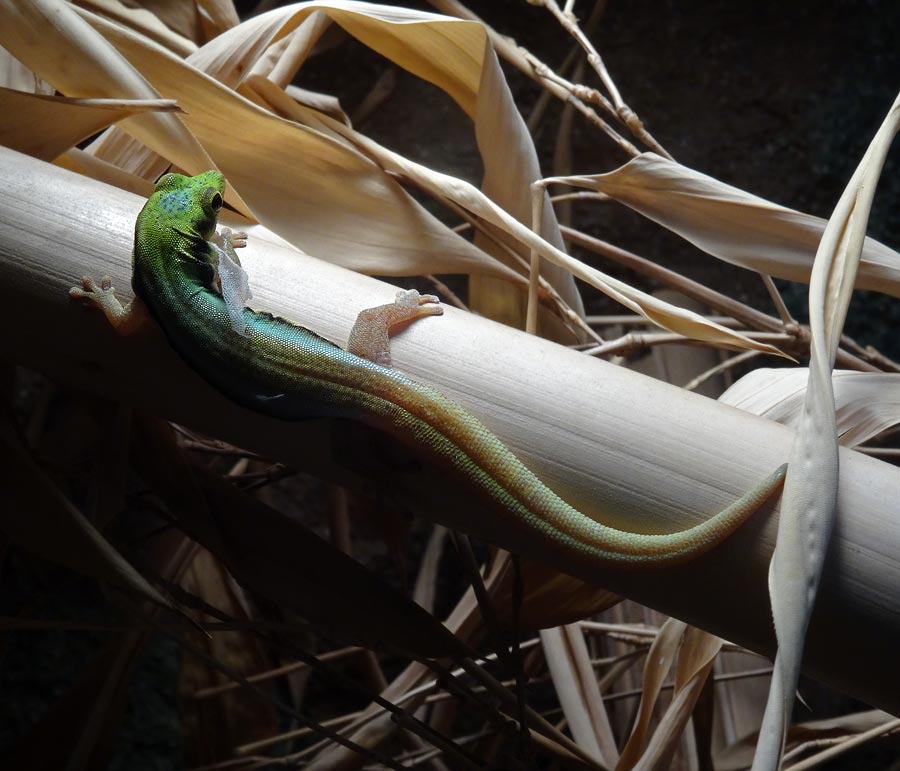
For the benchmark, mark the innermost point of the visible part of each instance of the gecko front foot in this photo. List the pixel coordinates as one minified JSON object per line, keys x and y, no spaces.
{"x":226,"y":237}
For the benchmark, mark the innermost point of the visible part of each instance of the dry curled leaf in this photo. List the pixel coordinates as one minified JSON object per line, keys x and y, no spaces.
{"x":866,"y":403}
{"x":734,"y":225}
{"x":811,"y":487}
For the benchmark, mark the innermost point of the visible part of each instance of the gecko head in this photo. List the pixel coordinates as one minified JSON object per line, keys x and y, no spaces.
{"x":189,"y":203}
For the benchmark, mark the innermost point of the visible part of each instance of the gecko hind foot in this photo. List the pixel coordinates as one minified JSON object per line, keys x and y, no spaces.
{"x":370,"y":336}
{"x":427,"y":304}
{"x":102,"y":296}
{"x":89,"y":287}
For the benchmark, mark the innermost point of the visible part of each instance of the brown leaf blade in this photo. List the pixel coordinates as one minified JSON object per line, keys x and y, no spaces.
{"x":214,"y":726}
{"x":867,"y":403}
{"x":579,"y":694}
{"x":660,"y":660}
{"x":734,"y":225}
{"x":809,"y":502}
{"x":58,"y":45}
{"x":316,"y":193}
{"x":47,"y":126}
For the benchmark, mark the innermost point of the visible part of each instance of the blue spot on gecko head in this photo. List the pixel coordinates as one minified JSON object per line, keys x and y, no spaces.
{"x":176,"y":201}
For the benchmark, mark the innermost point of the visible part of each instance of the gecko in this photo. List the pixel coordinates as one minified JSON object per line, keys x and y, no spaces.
{"x":278,"y":368}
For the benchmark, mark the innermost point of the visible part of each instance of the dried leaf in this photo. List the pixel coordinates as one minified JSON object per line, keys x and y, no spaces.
{"x":15,"y":75}
{"x":697,"y":652}
{"x":867,"y":403}
{"x":810,"y":491}
{"x":148,"y":23}
{"x":318,"y":194}
{"x":47,"y":126}
{"x":181,"y":17}
{"x":217,"y":16}
{"x":549,"y":598}
{"x":213,"y":727}
{"x":662,"y":745}
{"x":323,"y":167}
{"x":733,"y":225}
{"x":57,"y":44}
{"x":660,"y":659}
{"x":88,"y":165}
{"x":470,"y":198}
{"x":579,"y":695}
{"x":739,"y":755}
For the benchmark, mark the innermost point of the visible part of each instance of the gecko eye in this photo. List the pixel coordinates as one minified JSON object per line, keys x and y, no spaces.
{"x":216,"y":202}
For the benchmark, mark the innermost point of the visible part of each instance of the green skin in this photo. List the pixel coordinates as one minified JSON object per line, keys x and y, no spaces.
{"x":286,"y":371}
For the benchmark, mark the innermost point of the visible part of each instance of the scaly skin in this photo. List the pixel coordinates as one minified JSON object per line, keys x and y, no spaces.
{"x":281,"y":369}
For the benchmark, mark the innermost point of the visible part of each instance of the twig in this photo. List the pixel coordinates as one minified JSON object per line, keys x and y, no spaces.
{"x":720,"y":367}
{"x":534,"y":68}
{"x":782,"y":309}
{"x":719,"y":302}
{"x":634,"y":342}
{"x":856,"y":741}
{"x":592,"y":96}
{"x":447,"y":292}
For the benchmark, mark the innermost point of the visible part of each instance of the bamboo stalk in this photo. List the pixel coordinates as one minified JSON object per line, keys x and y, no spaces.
{"x":591,"y":430}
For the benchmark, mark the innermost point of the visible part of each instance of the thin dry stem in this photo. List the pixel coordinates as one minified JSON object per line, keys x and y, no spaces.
{"x":270,"y":674}
{"x":733,"y":361}
{"x":534,"y":68}
{"x":782,"y":309}
{"x":538,"y":192}
{"x":631,"y":319}
{"x":592,"y":96}
{"x":634,"y":343}
{"x":849,"y":744}
{"x":796,"y":335}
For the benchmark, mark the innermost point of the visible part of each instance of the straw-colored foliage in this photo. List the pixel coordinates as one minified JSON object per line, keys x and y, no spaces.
{"x":295,"y":651}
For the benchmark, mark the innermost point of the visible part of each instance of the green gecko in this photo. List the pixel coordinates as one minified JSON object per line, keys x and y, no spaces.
{"x":275,"y":367}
